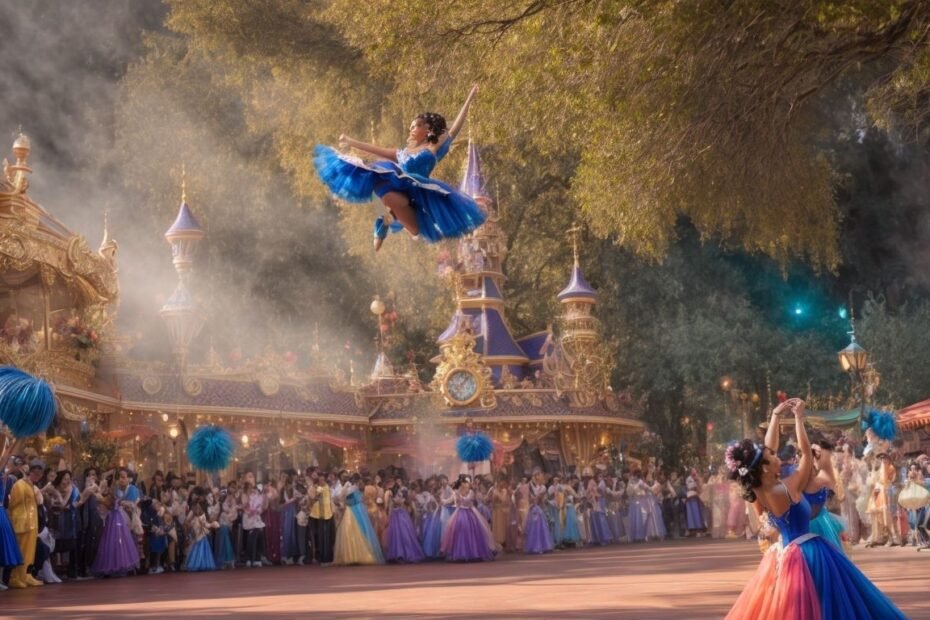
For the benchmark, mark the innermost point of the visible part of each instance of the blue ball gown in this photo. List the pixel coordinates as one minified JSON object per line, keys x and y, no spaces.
{"x":9,"y":548}
{"x":570,"y":533}
{"x":200,"y":557}
{"x":223,"y":551}
{"x":432,"y":534}
{"x":442,"y":211}
{"x":809,"y":579}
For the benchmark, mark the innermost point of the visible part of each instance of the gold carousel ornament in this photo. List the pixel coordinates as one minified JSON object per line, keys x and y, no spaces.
{"x":462,"y":377}
{"x":54,"y":291}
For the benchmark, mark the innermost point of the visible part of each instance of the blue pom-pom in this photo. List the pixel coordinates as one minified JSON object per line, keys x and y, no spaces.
{"x":27,"y":404}
{"x":210,"y":448}
{"x":474,"y":447}
{"x":882,"y":423}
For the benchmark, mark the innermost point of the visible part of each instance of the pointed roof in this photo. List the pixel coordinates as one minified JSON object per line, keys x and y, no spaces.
{"x":185,"y":223}
{"x":577,"y":287}
{"x":472,"y":180}
{"x":383,"y":368}
{"x":181,"y":300}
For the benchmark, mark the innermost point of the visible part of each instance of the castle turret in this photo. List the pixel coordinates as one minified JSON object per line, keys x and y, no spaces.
{"x":578,"y":360}
{"x":180,"y":313}
{"x":479,"y":283}
{"x":578,"y":300}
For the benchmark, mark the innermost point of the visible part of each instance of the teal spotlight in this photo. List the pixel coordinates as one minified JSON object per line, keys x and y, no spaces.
{"x":844,"y":313}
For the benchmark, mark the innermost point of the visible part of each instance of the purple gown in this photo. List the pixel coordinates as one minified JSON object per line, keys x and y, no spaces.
{"x":467,"y":537}
{"x":402,"y":543}
{"x":117,"y":553}
{"x":638,"y":516}
{"x":600,"y":529}
{"x":537,"y":537}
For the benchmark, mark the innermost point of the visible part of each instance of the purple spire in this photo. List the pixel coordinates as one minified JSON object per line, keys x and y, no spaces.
{"x":185,"y":222}
{"x":577,"y":287}
{"x":472,"y":181}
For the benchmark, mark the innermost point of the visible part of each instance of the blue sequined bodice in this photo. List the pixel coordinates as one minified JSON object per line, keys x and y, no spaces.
{"x":795,"y":522}
{"x":423,"y":161}
{"x":818,"y":498}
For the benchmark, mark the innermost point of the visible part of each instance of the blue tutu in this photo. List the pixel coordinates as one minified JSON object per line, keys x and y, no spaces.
{"x":442,"y":211}
{"x":222,"y":547}
{"x":9,"y":547}
{"x":200,"y":557}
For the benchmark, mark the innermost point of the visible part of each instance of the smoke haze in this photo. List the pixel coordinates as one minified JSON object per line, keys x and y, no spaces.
{"x":110,"y":130}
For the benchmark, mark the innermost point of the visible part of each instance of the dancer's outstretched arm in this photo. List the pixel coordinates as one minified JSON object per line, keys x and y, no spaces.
{"x":772,"y":432}
{"x":797,"y":481}
{"x":373,"y":149}
{"x":463,"y":113}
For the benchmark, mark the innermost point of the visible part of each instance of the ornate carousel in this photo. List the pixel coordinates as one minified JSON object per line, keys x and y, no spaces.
{"x":544,"y":398}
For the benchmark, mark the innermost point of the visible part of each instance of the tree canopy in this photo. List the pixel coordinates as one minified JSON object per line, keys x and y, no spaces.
{"x":730,"y":160}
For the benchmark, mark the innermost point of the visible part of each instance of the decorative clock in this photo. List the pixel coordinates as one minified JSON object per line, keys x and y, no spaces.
{"x":462,"y":378}
{"x":461,"y":386}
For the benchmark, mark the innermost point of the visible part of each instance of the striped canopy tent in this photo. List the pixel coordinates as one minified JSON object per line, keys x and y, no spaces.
{"x":836,"y":418}
{"x":914,"y":416}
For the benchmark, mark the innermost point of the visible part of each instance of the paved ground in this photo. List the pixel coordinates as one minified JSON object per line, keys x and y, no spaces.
{"x":684,"y":580}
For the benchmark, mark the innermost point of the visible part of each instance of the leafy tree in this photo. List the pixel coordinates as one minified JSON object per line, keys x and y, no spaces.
{"x":706,"y":109}
{"x":897,"y":344}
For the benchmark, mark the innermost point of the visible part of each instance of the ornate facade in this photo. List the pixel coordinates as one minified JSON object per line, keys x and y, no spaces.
{"x":544,"y":398}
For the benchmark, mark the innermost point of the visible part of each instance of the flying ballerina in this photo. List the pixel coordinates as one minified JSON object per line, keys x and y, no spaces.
{"x":425,"y":207}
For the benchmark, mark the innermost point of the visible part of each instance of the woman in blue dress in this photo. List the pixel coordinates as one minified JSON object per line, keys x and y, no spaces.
{"x":821,"y":485}
{"x":426,"y":207}
{"x":807,"y":578}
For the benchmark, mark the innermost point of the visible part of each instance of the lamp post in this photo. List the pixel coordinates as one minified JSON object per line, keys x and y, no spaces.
{"x":854,"y":360}
{"x":741,"y":401}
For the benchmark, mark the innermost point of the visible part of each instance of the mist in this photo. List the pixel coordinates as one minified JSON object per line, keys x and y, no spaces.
{"x":107,"y":136}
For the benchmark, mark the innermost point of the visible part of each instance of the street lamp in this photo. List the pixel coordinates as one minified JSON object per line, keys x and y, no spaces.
{"x":854,"y":360}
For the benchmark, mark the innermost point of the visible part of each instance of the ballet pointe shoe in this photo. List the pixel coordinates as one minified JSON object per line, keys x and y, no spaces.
{"x":380,"y":232}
